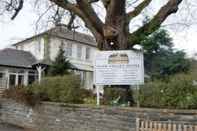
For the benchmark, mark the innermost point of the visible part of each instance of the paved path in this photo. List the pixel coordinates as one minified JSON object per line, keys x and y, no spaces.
{"x":7,"y":127}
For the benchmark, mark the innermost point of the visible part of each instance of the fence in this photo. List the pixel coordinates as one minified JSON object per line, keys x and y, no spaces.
{"x":148,"y":125}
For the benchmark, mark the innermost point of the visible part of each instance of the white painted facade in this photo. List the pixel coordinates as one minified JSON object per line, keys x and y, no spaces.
{"x":35,"y":46}
{"x":80,"y":54}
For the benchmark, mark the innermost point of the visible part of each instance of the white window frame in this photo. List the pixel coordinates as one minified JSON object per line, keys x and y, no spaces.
{"x":79,"y":51}
{"x":68,"y":49}
{"x":88,"y":51}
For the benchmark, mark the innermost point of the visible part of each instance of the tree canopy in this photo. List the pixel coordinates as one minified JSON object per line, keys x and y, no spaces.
{"x":111,"y":32}
{"x":161,"y":59}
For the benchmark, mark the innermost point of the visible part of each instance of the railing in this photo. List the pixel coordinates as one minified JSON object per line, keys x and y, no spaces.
{"x":147,"y":125}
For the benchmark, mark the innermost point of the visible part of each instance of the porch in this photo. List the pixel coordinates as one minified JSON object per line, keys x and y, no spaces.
{"x":12,"y":77}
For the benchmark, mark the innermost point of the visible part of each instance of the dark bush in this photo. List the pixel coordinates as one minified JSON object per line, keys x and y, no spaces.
{"x":177,"y":92}
{"x":22,"y":95}
{"x":118,"y":96}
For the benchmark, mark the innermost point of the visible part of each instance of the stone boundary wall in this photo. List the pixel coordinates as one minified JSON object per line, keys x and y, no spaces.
{"x":65,"y":117}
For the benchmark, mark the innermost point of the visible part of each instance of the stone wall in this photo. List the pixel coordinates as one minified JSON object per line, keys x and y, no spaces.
{"x":64,"y":117}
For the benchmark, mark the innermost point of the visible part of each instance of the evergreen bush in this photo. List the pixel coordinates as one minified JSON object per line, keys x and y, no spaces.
{"x":60,"y":89}
{"x":177,"y":92}
{"x":64,"y":89}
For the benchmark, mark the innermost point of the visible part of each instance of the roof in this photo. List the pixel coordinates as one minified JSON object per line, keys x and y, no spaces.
{"x":16,"y":58}
{"x":62,"y":32}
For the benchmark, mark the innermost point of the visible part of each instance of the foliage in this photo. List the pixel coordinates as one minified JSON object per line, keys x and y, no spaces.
{"x":160,"y":57}
{"x":193,"y":68}
{"x":55,"y":89}
{"x":61,"y":65}
{"x":90,"y":100}
{"x":176,"y":92}
{"x":118,"y":96}
{"x":60,"y":89}
{"x":22,"y":95}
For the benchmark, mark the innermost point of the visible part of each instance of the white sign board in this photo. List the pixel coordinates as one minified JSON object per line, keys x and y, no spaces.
{"x":119,"y":68}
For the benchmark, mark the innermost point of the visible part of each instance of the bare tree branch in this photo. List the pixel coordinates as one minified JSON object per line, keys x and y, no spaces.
{"x":138,"y":9}
{"x":13,"y":6}
{"x":84,"y":10}
{"x":70,"y":24}
{"x":90,"y":14}
{"x":148,"y":28}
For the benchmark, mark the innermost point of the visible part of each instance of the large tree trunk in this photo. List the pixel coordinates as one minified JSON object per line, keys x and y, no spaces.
{"x":115,"y":37}
{"x":115,"y":30}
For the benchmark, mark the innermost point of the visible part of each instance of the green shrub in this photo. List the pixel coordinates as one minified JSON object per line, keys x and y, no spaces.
{"x":177,"y":92}
{"x":118,"y":96}
{"x":60,"y":89}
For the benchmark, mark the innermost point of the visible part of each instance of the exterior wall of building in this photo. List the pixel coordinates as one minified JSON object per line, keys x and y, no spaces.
{"x":35,"y":46}
{"x":81,"y":62}
{"x":81,"y":55}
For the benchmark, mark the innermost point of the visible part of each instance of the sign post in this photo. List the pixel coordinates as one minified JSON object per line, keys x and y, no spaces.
{"x":124,"y":67}
{"x":97,"y":96}
{"x":138,"y":92}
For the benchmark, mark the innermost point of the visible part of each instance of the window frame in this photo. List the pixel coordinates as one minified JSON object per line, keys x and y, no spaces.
{"x":68,"y":49}
{"x":88,"y":52}
{"x":79,"y":51}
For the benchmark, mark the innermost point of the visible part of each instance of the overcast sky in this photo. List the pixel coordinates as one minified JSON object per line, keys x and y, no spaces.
{"x":184,"y":37}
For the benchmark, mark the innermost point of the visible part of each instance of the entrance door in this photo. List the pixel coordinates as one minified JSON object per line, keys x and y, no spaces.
{"x":12,"y":80}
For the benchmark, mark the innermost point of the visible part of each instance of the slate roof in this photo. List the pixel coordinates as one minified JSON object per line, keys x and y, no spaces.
{"x":16,"y":58}
{"x":62,"y":32}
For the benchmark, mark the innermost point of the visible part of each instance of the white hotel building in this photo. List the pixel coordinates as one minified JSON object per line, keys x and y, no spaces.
{"x":17,"y":65}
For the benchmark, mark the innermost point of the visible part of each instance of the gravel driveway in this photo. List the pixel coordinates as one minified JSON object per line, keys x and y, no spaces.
{"x":7,"y":127}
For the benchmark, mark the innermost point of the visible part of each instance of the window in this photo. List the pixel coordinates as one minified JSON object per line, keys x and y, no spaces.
{"x":82,"y":76}
{"x":79,"y":51}
{"x":32,"y":77}
{"x":20,"y":79}
{"x":68,"y":49}
{"x":1,"y":75}
{"x":87,"y":53}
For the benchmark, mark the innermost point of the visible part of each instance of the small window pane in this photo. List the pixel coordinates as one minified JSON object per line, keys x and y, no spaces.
{"x":68,"y":49}
{"x":31,"y":79}
{"x":79,"y":51}
{"x":20,"y":80}
{"x":87,"y":53}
